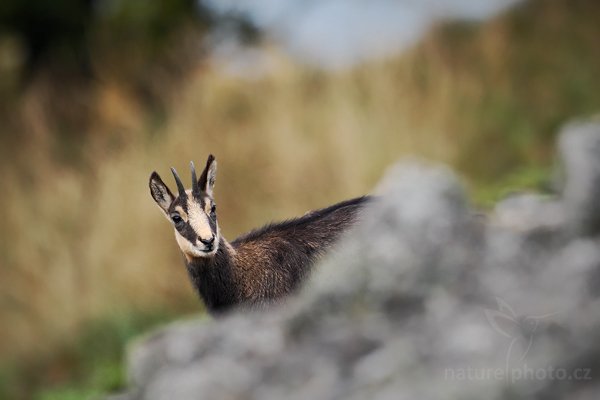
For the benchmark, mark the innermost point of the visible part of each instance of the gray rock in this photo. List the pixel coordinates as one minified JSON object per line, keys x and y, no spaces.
{"x":529,"y":212}
{"x":422,"y":300}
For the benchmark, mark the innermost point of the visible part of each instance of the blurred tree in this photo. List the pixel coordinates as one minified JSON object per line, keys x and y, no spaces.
{"x":50,"y":28}
{"x":64,"y":32}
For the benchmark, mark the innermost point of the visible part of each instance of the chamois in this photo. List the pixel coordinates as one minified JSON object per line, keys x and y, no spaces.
{"x":258,"y":267}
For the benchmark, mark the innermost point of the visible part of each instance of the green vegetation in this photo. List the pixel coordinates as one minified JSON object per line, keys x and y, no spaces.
{"x":87,"y":367}
{"x":527,"y":179}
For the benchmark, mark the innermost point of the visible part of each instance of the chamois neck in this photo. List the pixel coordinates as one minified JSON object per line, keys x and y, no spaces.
{"x":214,"y":278}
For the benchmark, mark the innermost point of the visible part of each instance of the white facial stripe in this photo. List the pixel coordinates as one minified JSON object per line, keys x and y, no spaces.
{"x":182,"y":213}
{"x":185,"y":246}
{"x":189,"y":250}
{"x":198,"y":219}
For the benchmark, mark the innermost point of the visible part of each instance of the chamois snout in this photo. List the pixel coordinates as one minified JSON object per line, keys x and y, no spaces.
{"x":208,"y":243}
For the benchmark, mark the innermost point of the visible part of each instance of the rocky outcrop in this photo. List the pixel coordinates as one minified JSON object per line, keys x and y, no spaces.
{"x":425,"y":299}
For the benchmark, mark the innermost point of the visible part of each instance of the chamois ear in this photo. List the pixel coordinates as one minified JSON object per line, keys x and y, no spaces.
{"x":207,"y":179}
{"x":160,"y":193}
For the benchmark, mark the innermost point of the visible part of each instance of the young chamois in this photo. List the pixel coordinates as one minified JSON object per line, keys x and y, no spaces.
{"x":258,"y":267}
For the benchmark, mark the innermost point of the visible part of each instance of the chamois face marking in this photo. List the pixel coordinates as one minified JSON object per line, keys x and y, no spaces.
{"x":192,"y":212}
{"x":196,"y":230}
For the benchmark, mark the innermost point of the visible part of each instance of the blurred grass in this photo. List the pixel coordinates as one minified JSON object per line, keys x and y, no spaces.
{"x":82,"y":241}
{"x":87,"y":367}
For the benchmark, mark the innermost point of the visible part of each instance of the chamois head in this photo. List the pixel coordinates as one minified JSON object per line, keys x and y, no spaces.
{"x":192,"y":212}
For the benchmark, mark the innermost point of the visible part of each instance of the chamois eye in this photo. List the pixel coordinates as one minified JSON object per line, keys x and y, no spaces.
{"x":213,"y":209}
{"x":176,"y":219}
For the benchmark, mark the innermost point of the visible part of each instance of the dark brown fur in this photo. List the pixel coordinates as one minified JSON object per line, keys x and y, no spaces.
{"x":256,"y":268}
{"x":270,"y":262}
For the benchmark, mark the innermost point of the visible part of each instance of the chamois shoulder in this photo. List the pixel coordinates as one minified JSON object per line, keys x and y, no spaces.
{"x":341,"y":212}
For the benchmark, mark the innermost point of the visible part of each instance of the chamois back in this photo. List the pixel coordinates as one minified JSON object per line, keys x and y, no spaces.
{"x":277,"y":257}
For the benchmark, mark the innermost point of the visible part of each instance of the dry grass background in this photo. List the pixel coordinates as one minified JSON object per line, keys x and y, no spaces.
{"x":82,"y":239}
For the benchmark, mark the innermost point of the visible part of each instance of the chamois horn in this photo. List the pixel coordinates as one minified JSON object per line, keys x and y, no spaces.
{"x":195,"y":188}
{"x":180,"y":186}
